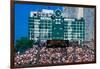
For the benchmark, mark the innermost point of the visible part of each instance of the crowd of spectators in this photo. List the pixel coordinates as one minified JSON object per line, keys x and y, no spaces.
{"x":65,"y":55}
{"x":52,"y":55}
{"x":28,"y":57}
{"x":44,"y":55}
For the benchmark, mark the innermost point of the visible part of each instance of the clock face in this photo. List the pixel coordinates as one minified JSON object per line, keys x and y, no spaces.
{"x":58,"y":12}
{"x":35,"y":14}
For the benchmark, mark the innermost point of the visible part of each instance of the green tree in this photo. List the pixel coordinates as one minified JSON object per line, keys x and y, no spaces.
{"x":23,"y":44}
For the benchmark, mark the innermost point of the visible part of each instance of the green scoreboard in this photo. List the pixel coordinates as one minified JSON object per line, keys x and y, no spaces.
{"x":55,"y":26}
{"x":58,"y":26}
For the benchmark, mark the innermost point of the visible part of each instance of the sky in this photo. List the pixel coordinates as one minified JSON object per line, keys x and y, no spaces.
{"x":22,"y":12}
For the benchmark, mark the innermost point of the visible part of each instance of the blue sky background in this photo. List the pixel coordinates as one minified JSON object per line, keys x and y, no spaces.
{"x":22,"y":12}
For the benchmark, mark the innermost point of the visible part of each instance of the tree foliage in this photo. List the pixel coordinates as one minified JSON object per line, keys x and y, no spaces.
{"x":23,"y":44}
